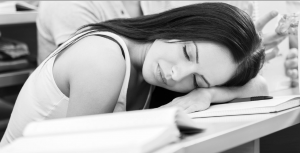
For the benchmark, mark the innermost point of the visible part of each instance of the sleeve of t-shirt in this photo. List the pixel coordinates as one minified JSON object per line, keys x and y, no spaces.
{"x":62,"y":19}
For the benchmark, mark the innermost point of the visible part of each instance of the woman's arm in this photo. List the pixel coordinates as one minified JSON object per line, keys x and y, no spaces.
{"x":95,"y":69}
{"x":255,"y":87}
{"x":201,"y":98}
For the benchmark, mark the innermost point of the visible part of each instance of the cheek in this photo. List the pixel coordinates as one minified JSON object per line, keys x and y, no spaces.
{"x":148,"y":70}
{"x":183,"y":86}
{"x":150,"y":64}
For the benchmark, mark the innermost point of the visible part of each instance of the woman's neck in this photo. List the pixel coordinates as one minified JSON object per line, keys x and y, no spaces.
{"x":138,"y":88}
{"x":137,"y":52}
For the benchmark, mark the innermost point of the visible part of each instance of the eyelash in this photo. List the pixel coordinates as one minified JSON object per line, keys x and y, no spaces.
{"x":187,"y":56}
{"x":185,"y":52}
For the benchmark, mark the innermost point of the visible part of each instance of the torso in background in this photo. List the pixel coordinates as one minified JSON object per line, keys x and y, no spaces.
{"x":57,"y":20}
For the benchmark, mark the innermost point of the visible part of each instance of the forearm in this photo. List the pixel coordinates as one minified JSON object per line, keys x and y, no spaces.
{"x":255,"y":87}
{"x":201,"y":98}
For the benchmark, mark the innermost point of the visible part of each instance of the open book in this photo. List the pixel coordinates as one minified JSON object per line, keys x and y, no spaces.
{"x":278,"y":103}
{"x":132,"y":132}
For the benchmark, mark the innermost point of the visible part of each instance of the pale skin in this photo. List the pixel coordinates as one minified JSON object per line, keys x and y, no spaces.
{"x":291,"y":65}
{"x":272,"y":39}
{"x":94,"y":79}
{"x":74,"y":82}
{"x":185,"y":100}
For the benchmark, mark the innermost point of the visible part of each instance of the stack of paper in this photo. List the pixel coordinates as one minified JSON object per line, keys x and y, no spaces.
{"x":277,"y":104}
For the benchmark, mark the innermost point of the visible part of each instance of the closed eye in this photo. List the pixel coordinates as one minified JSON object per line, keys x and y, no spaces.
{"x":185,"y":52}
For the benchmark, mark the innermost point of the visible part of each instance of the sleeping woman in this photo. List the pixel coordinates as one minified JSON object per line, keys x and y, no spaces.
{"x":210,"y":51}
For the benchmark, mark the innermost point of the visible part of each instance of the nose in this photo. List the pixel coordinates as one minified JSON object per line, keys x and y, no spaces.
{"x":181,"y":71}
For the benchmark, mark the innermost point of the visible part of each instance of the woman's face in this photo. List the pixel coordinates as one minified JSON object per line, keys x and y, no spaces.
{"x":184,"y":66}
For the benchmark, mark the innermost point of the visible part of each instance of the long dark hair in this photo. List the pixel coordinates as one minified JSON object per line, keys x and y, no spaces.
{"x":217,"y":22}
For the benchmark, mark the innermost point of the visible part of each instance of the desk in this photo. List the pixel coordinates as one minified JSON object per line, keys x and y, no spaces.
{"x":223,"y":133}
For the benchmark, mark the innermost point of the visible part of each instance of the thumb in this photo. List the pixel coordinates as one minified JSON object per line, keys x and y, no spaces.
{"x":261,"y":22}
{"x":293,"y":53}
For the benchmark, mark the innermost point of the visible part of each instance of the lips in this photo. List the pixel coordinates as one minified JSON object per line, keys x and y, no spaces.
{"x":161,"y":74}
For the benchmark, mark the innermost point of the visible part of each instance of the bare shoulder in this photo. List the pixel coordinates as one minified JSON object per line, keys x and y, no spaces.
{"x":91,"y":72}
{"x":88,"y":58}
{"x":94,"y":51}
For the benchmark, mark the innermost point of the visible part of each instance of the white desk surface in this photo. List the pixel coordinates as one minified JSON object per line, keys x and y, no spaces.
{"x":223,"y":133}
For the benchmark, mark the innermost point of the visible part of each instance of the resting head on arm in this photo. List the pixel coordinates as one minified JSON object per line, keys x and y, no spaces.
{"x":202,"y":46}
{"x":232,"y":32}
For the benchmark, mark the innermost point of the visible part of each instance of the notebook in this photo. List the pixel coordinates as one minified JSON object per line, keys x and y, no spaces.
{"x":277,"y":104}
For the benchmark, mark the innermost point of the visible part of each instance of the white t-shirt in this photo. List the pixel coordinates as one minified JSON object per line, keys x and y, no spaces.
{"x":58,"y":20}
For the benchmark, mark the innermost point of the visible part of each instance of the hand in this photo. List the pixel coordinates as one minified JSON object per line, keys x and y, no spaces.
{"x":196,"y":100}
{"x":271,"y":54}
{"x":272,"y":39}
{"x":291,"y":66}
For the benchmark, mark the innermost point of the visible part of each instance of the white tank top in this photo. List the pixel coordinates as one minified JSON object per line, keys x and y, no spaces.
{"x":41,"y":99}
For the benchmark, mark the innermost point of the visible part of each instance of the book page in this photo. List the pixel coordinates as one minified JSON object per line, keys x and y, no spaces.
{"x":134,"y":140}
{"x":111,"y":121}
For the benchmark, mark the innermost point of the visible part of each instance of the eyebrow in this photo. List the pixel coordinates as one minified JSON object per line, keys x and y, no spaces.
{"x":197,"y":61}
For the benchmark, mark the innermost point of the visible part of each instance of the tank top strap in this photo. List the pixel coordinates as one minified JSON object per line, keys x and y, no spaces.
{"x":78,"y":37}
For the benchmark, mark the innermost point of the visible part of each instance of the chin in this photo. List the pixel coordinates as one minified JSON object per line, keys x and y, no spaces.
{"x":150,"y":80}
{"x":175,"y":90}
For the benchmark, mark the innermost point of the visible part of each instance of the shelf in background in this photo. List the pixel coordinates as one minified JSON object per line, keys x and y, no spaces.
{"x":14,"y":77}
{"x":18,"y":18}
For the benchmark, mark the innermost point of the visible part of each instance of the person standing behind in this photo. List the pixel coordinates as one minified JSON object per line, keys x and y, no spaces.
{"x":58,"y":20}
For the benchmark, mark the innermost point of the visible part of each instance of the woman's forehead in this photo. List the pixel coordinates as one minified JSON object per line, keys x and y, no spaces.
{"x":216,"y":63}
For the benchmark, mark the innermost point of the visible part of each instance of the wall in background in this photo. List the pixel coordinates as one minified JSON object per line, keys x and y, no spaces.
{"x":273,"y":70}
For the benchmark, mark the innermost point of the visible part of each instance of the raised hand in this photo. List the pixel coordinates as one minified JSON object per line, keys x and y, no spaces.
{"x":272,"y":39}
{"x":291,"y":66}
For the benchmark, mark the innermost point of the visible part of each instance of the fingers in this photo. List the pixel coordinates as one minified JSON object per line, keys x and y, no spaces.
{"x":283,"y":26}
{"x":292,"y":54}
{"x":292,"y":73}
{"x":295,"y":83}
{"x":261,"y":22}
{"x":196,"y":107}
{"x":190,"y":109}
{"x":271,"y":40}
{"x":174,"y":102}
{"x":291,"y":63}
{"x":271,"y":54}
{"x":187,"y":106}
{"x":291,"y":66}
